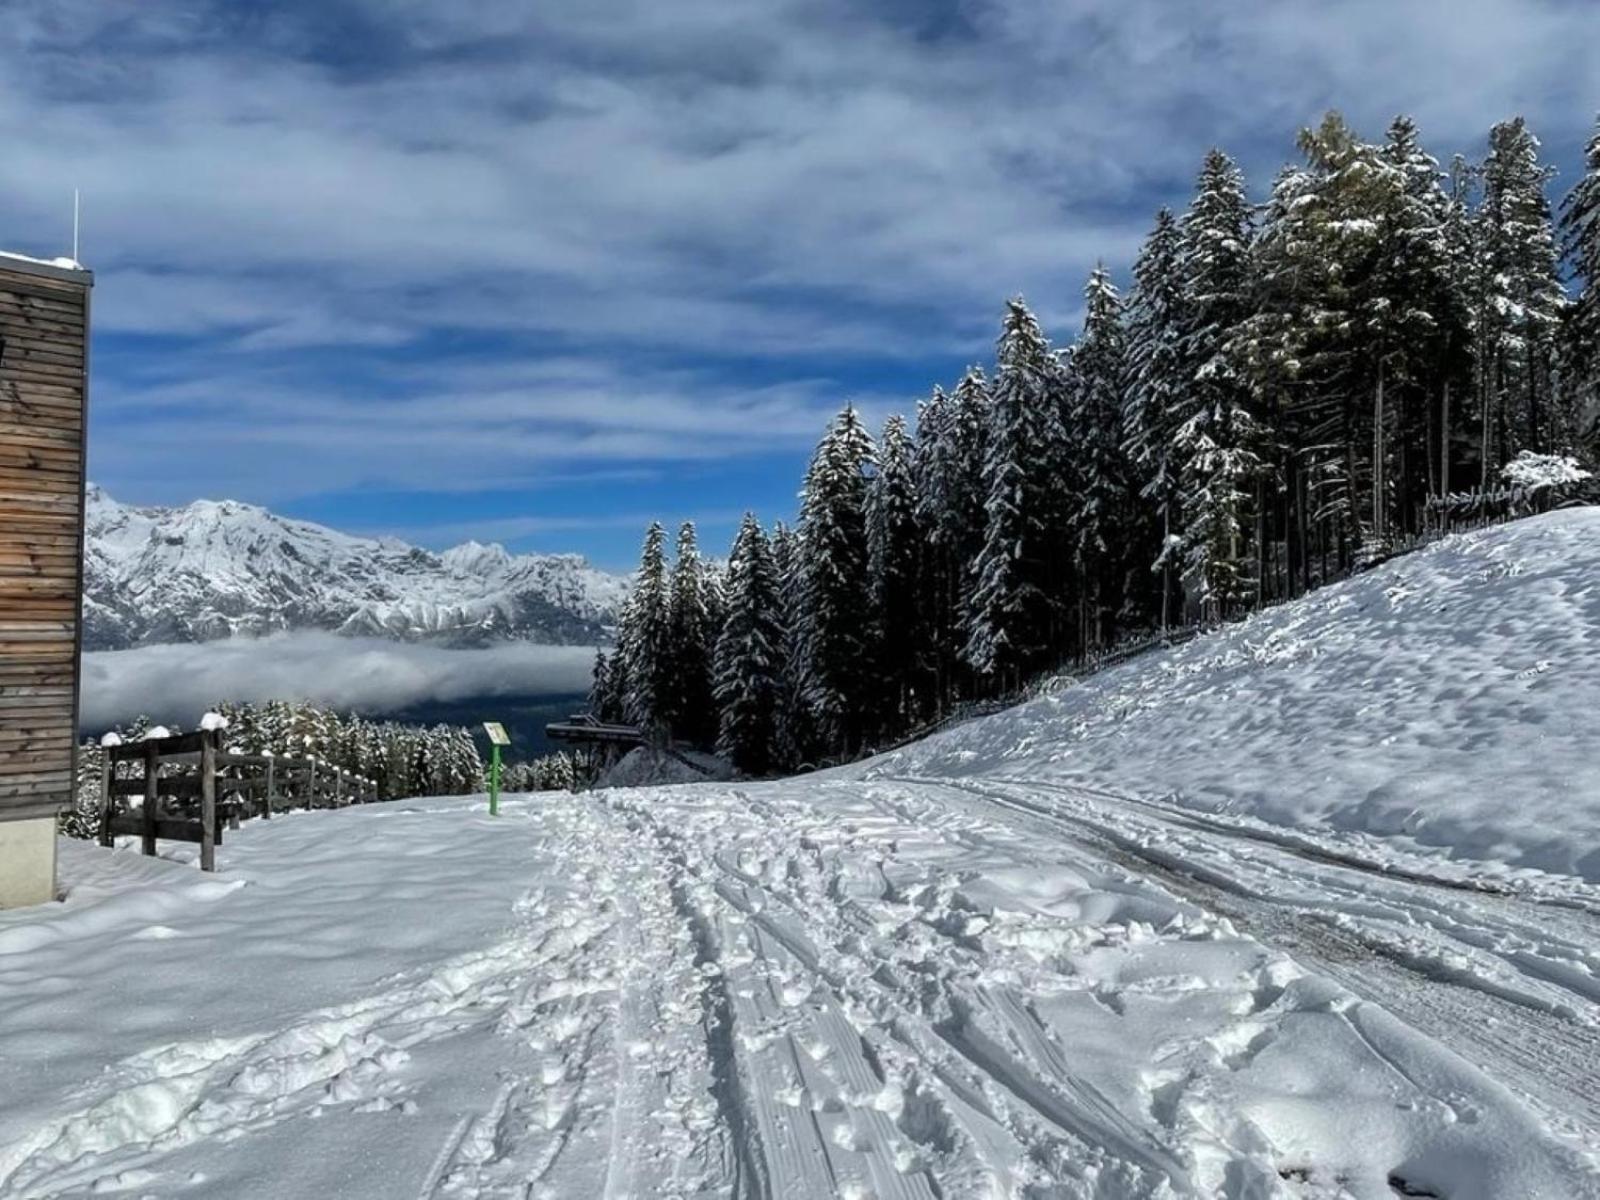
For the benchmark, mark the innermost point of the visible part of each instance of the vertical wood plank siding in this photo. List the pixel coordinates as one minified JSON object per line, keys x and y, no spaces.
{"x":44,"y":324}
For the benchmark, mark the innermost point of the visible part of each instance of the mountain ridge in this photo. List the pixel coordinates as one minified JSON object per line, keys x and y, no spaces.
{"x":223,"y":568}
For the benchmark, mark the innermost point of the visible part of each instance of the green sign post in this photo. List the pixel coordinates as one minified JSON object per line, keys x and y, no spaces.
{"x":497,"y":737}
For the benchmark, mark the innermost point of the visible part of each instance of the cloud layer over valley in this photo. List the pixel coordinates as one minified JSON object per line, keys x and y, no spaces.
{"x":366,"y":675}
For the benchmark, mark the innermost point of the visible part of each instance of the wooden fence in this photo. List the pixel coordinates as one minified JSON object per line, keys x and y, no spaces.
{"x":188,"y":788}
{"x":1479,"y":508}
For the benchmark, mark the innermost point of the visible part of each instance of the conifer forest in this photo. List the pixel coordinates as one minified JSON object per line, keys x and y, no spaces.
{"x":1286,"y":385}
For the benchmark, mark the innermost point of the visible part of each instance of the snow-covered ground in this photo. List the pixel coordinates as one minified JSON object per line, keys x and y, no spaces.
{"x":1449,"y":700}
{"x":998,"y":964}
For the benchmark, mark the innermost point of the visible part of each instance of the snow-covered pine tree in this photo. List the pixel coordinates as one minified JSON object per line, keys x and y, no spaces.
{"x":1580,"y":242}
{"x":1158,"y":392}
{"x":750,"y":655}
{"x":645,"y":650}
{"x":689,"y":708}
{"x":796,"y":739}
{"x":1215,"y":444}
{"x":932,"y":444}
{"x":1456,"y":381}
{"x":950,"y":497}
{"x":398,"y":782}
{"x":834,"y":595}
{"x":1371,"y":223}
{"x":1059,"y":463}
{"x":895,"y":543}
{"x":1523,"y":302}
{"x":560,"y":773}
{"x":467,"y":773}
{"x":82,"y":820}
{"x":1102,"y":517}
{"x":600,"y":688}
{"x":715,"y":577}
{"x":1012,"y":611}
{"x":1414,"y":318}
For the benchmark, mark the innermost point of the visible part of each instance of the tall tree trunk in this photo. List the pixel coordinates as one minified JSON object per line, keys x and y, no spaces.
{"x":1261,"y":541}
{"x":1484,"y":389}
{"x":1444,"y":441}
{"x":1166,"y":566}
{"x":1377,"y":459}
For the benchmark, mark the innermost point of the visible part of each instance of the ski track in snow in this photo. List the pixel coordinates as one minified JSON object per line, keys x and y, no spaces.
{"x":1510,"y":979}
{"x":901,"y":989}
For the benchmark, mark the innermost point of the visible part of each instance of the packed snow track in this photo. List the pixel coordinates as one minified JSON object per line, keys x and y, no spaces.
{"x":826,"y":987}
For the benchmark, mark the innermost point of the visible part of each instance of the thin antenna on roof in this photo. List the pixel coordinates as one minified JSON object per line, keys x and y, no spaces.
{"x":75,"y":257}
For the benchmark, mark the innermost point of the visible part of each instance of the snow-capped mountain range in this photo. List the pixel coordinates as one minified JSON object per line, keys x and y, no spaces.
{"x":219,"y":568}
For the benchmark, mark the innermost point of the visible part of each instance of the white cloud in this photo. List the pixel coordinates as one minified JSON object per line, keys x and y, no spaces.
{"x":617,"y":181}
{"x":368,"y":675}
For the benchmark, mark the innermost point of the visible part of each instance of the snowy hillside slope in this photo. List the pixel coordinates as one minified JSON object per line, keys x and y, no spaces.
{"x":1021,"y":960}
{"x":1448,"y":700}
{"x":820,"y":988}
{"x":218,"y":568}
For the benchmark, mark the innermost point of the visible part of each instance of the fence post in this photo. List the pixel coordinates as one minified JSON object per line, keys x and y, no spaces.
{"x":106,"y":774}
{"x":152,"y":798}
{"x":208,"y":800}
{"x":272,"y":795}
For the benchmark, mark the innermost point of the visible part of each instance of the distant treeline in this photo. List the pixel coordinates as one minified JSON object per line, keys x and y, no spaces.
{"x":402,"y":760}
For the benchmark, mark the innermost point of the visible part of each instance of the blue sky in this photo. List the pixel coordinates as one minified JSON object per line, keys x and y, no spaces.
{"x":538,"y":272}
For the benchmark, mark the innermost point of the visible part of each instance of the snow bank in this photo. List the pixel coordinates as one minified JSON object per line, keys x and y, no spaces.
{"x":1449,"y":699}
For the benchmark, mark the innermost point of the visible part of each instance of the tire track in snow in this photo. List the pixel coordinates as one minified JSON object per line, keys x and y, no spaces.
{"x":1546,"y":1057}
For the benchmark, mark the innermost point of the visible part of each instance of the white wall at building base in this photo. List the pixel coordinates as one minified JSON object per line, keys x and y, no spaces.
{"x":27,"y":862}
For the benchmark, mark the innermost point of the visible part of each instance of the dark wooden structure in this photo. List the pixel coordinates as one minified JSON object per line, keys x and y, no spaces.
{"x":189,"y":788}
{"x":44,"y":357}
{"x":583,"y":730}
{"x":598,"y":744}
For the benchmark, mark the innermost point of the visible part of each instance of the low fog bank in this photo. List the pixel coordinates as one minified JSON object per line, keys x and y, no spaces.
{"x":366,"y":675}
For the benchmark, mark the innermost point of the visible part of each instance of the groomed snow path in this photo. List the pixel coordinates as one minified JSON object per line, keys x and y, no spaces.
{"x":896,"y":988}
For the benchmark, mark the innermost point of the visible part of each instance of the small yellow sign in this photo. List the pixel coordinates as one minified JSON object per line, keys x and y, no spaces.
{"x":497,"y":733}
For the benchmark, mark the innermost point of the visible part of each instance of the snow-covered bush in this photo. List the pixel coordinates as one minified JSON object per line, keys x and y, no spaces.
{"x":1536,"y":472}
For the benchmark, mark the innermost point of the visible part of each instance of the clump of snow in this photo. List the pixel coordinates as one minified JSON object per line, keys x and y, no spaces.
{"x":111,"y":739}
{"x":1536,"y":472}
{"x":156,"y":731}
{"x":63,"y":261}
{"x":1447,"y":699}
{"x":213,"y":721}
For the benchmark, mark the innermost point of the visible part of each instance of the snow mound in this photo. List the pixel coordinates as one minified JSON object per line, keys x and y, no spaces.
{"x":646,"y":766}
{"x":1449,"y":700}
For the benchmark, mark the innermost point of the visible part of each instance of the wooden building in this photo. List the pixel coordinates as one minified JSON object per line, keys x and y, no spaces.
{"x":44,"y":360}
